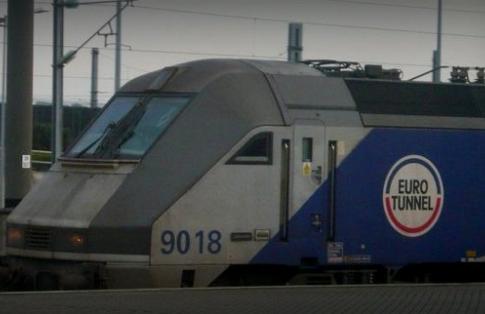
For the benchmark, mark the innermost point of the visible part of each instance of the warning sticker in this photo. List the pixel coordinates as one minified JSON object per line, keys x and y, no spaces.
{"x":307,"y":169}
{"x":335,"y":252}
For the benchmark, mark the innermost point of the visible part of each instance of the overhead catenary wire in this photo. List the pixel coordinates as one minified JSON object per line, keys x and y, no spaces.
{"x":78,"y":77}
{"x":336,"y":25}
{"x":71,"y":54}
{"x":315,"y":23}
{"x":377,"y":4}
{"x":280,"y":56}
{"x":179,"y":52}
{"x":201,"y":53}
{"x":406,"y":6}
{"x":127,"y":66}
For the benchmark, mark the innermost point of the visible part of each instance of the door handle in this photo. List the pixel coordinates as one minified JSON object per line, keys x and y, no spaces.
{"x":317,"y":174}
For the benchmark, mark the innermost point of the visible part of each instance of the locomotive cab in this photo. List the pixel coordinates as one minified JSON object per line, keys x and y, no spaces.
{"x":92,"y":213}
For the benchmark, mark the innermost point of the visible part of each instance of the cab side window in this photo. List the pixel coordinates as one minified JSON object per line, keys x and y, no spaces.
{"x":257,"y":151}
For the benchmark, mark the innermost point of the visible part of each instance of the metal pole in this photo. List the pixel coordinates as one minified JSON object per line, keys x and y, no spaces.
{"x":295,"y":34}
{"x":57,"y":80}
{"x":2,"y":119}
{"x":18,"y":126}
{"x":94,"y":77}
{"x":118,"y":47}
{"x":437,"y":52}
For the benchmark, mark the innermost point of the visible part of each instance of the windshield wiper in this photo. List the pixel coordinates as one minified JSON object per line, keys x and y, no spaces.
{"x":110,"y":126}
{"x":123,"y":139}
{"x":121,"y":132}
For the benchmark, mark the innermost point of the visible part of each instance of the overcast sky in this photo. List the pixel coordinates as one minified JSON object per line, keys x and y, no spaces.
{"x":161,"y":33}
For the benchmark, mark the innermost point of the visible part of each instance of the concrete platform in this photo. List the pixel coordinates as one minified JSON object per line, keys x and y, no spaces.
{"x":463,"y":298}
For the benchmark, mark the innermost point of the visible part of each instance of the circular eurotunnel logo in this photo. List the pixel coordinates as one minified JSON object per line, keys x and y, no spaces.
{"x":413,"y":195}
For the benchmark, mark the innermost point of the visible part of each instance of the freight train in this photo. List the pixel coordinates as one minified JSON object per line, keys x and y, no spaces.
{"x":246,"y":172}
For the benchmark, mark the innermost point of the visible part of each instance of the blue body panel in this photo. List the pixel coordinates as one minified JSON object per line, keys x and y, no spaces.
{"x":361,"y":224}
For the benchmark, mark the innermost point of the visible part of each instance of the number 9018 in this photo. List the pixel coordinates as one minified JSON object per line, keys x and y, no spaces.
{"x":182,"y":242}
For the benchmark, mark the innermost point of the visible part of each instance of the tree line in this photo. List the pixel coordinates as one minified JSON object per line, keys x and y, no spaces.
{"x":75,"y":119}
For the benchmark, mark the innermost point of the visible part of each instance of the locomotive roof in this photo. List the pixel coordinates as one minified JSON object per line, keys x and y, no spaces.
{"x":300,"y":87}
{"x":194,"y":76}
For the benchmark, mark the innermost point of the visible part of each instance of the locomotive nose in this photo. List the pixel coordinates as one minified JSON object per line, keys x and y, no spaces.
{"x":55,"y":216}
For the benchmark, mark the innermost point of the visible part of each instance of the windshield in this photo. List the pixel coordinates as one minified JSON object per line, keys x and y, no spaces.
{"x":116,"y":110}
{"x":128,"y":127}
{"x":159,"y":112}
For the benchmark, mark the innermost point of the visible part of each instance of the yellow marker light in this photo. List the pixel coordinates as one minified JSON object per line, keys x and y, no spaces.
{"x":471,"y":253}
{"x":77,"y":240}
{"x":14,"y":235}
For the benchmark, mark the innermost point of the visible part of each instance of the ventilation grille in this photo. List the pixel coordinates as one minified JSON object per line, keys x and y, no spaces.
{"x":38,"y":238}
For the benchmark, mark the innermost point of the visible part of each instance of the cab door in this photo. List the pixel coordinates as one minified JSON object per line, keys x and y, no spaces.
{"x":309,"y":153}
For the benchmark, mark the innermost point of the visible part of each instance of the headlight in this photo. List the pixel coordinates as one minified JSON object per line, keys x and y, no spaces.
{"x":77,"y":240}
{"x":15,"y":236}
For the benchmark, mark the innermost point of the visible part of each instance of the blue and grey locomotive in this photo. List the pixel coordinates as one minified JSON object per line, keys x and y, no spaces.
{"x":223,"y":172}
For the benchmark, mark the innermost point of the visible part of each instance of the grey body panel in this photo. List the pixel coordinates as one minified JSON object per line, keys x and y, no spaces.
{"x":282,"y":68}
{"x":308,"y":92}
{"x":79,"y":196}
{"x":338,"y":118}
{"x":214,"y":121}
